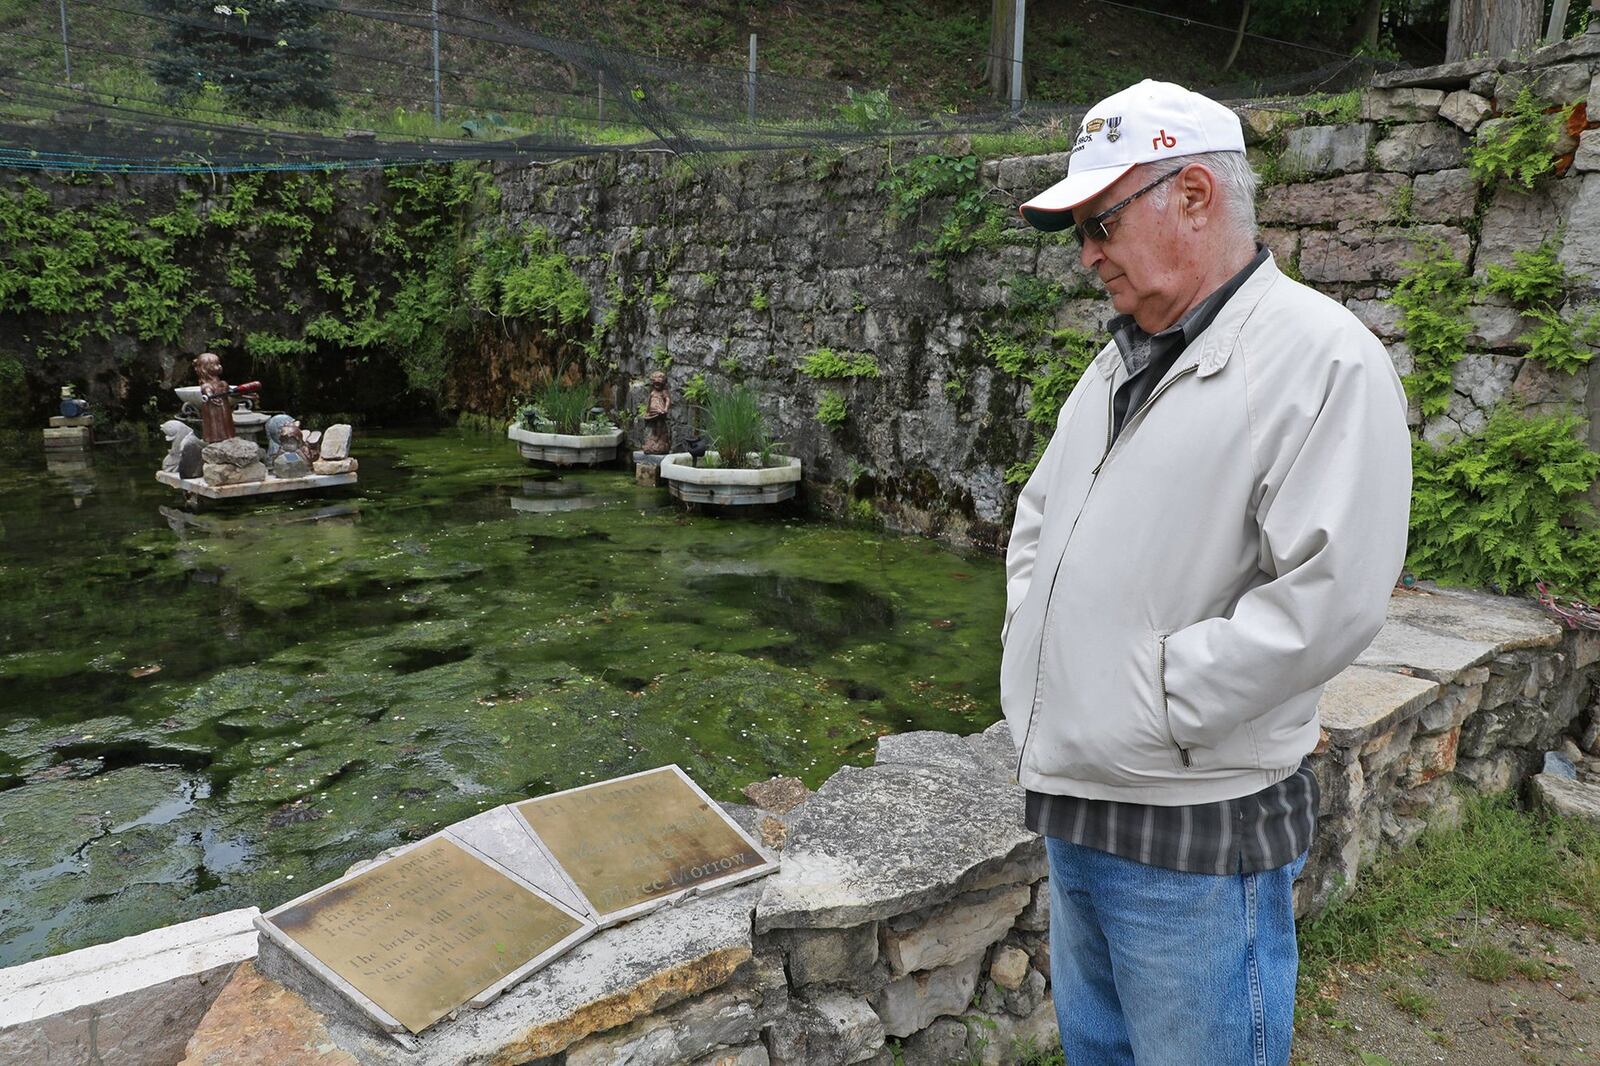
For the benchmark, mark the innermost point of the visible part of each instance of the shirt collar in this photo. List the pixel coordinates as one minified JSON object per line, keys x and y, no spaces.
{"x":1139,"y":349}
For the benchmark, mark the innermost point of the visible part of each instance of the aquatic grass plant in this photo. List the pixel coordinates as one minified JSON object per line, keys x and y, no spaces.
{"x":735,"y":428}
{"x":561,"y":409}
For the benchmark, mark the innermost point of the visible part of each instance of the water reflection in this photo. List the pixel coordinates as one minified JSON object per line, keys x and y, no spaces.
{"x":75,"y":469}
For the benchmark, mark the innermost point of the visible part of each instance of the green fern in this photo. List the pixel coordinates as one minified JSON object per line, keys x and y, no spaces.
{"x":1558,"y":341}
{"x":1504,"y":507}
{"x":1433,"y":298}
{"x":825,"y":364}
{"x":1533,"y":277}
{"x":1519,"y":150}
{"x":831,"y":410}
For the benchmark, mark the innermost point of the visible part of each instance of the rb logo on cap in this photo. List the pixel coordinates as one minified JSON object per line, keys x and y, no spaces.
{"x":1163,"y":140}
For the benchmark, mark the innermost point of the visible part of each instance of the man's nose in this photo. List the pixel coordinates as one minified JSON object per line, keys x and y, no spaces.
{"x":1090,"y":253}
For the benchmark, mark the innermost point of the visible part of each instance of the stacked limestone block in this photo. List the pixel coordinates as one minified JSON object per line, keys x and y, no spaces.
{"x":910,"y":910}
{"x":1362,"y":198}
{"x":1460,"y":691}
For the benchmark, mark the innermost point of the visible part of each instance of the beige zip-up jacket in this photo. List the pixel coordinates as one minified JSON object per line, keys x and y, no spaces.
{"x":1176,"y":601}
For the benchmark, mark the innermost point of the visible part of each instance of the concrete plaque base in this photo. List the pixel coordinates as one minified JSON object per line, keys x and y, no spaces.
{"x":73,"y":438}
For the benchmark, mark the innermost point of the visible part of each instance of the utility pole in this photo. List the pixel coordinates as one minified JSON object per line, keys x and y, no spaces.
{"x":750,"y":84}
{"x":66,"y":56}
{"x":1016,"y":58}
{"x":437,"y":95}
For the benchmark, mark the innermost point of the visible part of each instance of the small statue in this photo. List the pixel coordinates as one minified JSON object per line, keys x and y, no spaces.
{"x":176,"y":433}
{"x":216,"y":398}
{"x":658,"y":434}
{"x":293,"y":458}
{"x":274,"y":430}
{"x":71,"y":405}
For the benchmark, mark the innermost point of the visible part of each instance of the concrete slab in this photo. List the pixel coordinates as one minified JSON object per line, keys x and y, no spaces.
{"x":1510,"y":623}
{"x":1361,"y":703}
{"x":504,"y":837}
{"x":1424,"y":652}
{"x":878,"y":842}
{"x":132,"y":1001}
{"x":268,"y":487}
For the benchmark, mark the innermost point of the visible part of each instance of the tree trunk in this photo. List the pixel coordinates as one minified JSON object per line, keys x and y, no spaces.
{"x":1494,"y":28}
{"x":1238,"y":38}
{"x":1371,"y":25}
{"x":1002,"y":28}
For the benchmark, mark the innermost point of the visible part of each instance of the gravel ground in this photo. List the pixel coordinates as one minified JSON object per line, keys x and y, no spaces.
{"x":1543,"y":1008}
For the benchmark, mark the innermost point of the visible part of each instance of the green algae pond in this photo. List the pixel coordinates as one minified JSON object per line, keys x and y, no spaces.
{"x":212,"y":710}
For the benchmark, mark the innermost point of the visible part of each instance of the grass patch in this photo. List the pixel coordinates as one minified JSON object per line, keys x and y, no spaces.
{"x":1411,"y":1001}
{"x":1489,"y":963}
{"x":1536,"y":969}
{"x":1523,"y":865}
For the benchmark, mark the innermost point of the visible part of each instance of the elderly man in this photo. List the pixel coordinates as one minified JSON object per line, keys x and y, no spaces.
{"x":1210,"y":536}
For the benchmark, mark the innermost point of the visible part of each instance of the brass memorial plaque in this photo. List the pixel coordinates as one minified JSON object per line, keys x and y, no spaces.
{"x":426,"y":931}
{"x":636,"y":839}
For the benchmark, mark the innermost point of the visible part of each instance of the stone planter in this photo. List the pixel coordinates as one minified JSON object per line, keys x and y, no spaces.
{"x":566,"y":449}
{"x":730,"y":487}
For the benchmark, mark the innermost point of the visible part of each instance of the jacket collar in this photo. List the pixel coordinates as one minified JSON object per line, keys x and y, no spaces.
{"x":1213,"y":347}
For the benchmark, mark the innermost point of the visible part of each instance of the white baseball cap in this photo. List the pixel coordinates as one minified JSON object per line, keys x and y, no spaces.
{"x":1143,"y":123}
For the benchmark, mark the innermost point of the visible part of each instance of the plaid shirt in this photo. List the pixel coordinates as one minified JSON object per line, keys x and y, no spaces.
{"x":1245,"y":835}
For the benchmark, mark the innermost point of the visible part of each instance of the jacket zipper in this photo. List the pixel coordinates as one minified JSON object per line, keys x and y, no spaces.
{"x":1166,"y":715}
{"x":1094,"y":476}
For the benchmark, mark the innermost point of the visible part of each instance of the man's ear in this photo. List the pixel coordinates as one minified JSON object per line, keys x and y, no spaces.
{"x":1198,"y":193}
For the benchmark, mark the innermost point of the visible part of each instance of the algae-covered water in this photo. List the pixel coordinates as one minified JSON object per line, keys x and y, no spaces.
{"x":200,"y":712}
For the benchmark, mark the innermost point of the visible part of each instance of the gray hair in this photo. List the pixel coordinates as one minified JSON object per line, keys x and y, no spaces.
{"x":1236,"y":184}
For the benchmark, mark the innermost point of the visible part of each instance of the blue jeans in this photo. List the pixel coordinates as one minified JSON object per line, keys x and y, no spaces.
{"x":1157,"y":967}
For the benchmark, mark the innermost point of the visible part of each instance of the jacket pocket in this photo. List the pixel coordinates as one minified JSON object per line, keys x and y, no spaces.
{"x":1161,"y":693}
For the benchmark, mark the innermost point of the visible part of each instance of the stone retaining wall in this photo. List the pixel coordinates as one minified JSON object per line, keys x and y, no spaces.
{"x":910,"y":912}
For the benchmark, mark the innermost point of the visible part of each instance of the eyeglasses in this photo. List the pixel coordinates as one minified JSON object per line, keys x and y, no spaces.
{"x":1094,"y":227}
